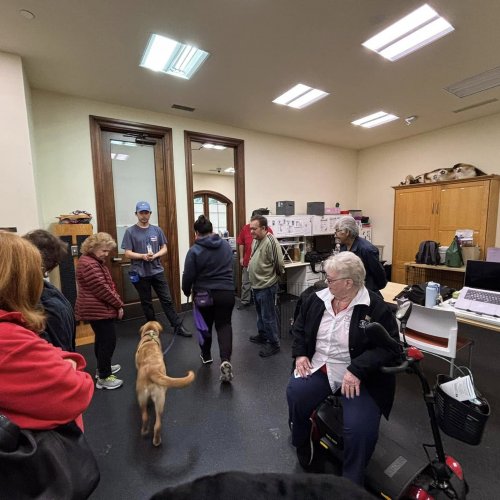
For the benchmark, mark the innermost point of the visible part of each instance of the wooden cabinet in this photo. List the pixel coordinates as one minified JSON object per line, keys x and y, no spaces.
{"x":435,"y":211}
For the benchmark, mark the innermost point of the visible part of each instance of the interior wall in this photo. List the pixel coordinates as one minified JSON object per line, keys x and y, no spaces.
{"x":17,"y":189}
{"x":223,"y":184}
{"x":379,"y":168}
{"x":276,"y":168}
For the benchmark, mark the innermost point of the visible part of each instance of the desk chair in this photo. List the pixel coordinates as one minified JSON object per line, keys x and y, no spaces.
{"x":435,"y":331}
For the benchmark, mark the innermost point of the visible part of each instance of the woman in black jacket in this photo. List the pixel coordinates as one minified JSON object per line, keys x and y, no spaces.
{"x":333,"y":352}
{"x":209,"y":268}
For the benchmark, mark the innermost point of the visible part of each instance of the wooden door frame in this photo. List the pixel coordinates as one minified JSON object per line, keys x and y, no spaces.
{"x":165,"y":187}
{"x":219,"y":197}
{"x":239,"y":175}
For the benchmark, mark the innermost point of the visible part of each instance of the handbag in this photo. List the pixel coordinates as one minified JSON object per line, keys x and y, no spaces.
{"x":45,"y":465}
{"x":454,"y":254}
{"x":203,"y":298}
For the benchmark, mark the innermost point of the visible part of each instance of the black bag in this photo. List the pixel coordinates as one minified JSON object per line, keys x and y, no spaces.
{"x":314,"y":258}
{"x":428,"y":253}
{"x":46,"y":465}
{"x":203,"y":299}
{"x":416,"y":293}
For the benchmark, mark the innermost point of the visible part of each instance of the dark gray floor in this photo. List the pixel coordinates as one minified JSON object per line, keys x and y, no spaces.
{"x":209,"y":427}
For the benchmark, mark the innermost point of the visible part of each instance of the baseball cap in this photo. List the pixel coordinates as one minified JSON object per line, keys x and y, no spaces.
{"x":142,"y":206}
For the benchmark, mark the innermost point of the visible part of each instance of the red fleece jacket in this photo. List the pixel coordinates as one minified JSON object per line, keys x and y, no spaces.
{"x":38,"y":388}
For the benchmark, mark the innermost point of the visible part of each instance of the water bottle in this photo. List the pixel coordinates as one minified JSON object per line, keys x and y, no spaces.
{"x":431,"y":294}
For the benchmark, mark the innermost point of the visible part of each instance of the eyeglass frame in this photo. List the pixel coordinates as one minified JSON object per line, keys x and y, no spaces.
{"x":329,"y":281}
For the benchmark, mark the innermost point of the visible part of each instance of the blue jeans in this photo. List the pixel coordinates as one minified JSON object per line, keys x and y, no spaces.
{"x":267,"y":313}
{"x":159,"y":283}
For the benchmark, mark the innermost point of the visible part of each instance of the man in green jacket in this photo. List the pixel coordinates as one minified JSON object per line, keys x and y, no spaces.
{"x":264,"y":270}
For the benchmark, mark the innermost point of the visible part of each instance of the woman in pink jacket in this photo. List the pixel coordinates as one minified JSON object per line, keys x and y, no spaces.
{"x":42,"y":386}
{"x":98,"y":303}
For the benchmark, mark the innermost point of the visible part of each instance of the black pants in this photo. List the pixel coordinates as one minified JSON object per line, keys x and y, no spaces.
{"x":220,"y":314}
{"x":104,"y":345}
{"x":159,"y":284}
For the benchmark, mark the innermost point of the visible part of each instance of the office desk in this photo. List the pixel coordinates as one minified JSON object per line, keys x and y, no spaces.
{"x":465,"y":317}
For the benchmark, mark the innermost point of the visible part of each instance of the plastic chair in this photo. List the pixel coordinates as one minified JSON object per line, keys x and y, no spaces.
{"x":435,"y":331}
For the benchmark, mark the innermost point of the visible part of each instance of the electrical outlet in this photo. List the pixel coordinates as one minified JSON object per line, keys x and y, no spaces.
{"x":74,"y":250}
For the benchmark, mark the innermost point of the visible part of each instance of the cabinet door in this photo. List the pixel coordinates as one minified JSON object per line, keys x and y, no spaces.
{"x":462,"y":206}
{"x":414,"y":221}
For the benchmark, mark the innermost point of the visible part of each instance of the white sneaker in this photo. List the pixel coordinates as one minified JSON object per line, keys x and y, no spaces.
{"x":114,"y":369}
{"x":110,"y":382}
{"x":226,"y":372}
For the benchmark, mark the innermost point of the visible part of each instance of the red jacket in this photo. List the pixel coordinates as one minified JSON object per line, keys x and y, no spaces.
{"x":38,"y":389}
{"x":245,"y":238}
{"x":97,"y":295}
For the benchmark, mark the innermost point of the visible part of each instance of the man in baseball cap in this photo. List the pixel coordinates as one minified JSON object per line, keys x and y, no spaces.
{"x":144,"y":244}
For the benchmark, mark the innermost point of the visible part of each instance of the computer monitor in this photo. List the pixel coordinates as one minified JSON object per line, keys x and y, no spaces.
{"x":483,"y":275}
{"x":324,"y":243}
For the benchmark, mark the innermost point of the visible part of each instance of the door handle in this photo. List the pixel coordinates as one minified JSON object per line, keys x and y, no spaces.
{"x":437,"y":207}
{"x":116,"y":259}
{"x":433,"y":203}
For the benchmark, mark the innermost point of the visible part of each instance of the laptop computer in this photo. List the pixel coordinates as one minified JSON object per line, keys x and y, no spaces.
{"x":481,"y":293}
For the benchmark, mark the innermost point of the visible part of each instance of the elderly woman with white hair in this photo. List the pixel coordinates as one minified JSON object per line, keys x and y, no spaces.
{"x":347,"y":233}
{"x":332,"y":353}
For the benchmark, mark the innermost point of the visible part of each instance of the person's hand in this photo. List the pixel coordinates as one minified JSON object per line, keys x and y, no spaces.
{"x":72,"y":362}
{"x":303,"y":366}
{"x":350,"y":385}
{"x":120,"y":313}
{"x":241,"y":262}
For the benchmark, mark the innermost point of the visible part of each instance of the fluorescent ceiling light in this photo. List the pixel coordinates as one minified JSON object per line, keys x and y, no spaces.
{"x":172,"y":57}
{"x":412,"y":32}
{"x":300,"y":96}
{"x":119,"y":156}
{"x":208,"y":145}
{"x":230,"y":170}
{"x":375,"y":119}
{"x":123,"y":143}
{"x":474,"y":84}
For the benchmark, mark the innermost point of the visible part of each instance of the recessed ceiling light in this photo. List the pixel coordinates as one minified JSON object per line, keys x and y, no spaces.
{"x":412,"y":32}
{"x":230,"y":170}
{"x":300,"y":96}
{"x":172,"y":57}
{"x":375,"y":119}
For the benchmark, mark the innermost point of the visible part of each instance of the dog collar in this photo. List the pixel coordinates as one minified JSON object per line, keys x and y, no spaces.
{"x":149,"y":335}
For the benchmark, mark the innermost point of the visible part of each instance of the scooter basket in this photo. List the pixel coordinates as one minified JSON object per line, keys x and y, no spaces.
{"x":461,"y":420}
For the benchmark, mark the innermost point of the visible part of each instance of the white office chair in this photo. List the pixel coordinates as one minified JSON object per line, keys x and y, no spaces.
{"x":435,"y":331}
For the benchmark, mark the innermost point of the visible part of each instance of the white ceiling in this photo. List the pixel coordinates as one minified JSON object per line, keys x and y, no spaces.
{"x":259,"y":49}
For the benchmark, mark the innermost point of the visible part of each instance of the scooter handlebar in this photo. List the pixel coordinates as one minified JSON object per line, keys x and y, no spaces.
{"x":396,"y":369}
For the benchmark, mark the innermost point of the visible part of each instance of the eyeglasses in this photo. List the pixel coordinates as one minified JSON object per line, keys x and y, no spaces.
{"x":330,"y":280}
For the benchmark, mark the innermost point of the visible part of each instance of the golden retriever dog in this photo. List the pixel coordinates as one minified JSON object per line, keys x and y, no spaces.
{"x":152,"y":380}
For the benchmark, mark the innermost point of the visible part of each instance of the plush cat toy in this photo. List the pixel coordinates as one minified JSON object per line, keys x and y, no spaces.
{"x":458,"y":171}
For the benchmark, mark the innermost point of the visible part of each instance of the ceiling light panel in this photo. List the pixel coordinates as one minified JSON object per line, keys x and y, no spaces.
{"x":171,"y":57}
{"x":414,"y":31}
{"x":375,"y":119}
{"x":300,"y":96}
{"x":484,"y":81}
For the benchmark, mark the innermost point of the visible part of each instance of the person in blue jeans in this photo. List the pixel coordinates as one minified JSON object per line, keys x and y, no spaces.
{"x":144,"y":244}
{"x":265,"y":268}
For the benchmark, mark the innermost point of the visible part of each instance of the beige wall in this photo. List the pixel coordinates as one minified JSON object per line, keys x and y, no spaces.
{"x":17,"y":187}
{"x":276,"y":168}
{"x":475,"y":142}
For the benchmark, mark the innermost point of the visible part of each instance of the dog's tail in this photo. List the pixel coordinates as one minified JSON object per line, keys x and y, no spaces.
{"x":166,"y":381}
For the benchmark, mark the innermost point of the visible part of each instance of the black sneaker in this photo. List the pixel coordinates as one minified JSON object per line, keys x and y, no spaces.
{"x":269,"y":350}
{"x":257,"y":339}
{"x":180,"y":330}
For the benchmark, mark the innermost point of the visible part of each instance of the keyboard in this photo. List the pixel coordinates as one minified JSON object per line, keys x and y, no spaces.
{"x":483,"y":296}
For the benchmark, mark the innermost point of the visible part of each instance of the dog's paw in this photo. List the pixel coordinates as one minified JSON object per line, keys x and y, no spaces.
{"x":157,"y":441}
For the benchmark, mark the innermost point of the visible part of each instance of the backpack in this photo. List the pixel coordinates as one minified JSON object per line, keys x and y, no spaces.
{"x":454,"y":254}
{"x":428,"y":253}
{"x":416,"y":293}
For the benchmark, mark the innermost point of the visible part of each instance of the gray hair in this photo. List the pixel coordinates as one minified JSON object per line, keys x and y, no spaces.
{"x":347,"y":264}
{"x":348,"y":223}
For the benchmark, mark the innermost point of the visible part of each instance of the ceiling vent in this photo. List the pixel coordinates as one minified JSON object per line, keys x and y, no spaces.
{"x":472,"y":106}
{"x":475,"y":84}
{"x":182,"y":108}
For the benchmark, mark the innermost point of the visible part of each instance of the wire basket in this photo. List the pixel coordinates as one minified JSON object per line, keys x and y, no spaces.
{"x":461,"y":420}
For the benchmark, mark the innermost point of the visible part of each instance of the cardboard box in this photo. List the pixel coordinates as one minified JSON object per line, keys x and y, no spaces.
{"x":316,"y":208}
{"x":285,"y":208}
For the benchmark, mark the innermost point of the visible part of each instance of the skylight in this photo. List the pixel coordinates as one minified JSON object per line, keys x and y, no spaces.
{"x":412,"y":32}
{"x":375,"y":119}
{"x":171,"y":57}
{"x":300,"y":96}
